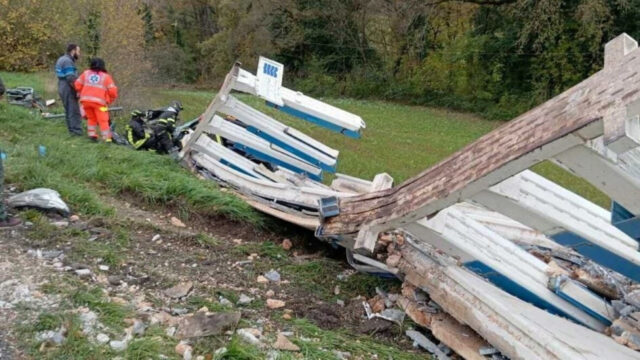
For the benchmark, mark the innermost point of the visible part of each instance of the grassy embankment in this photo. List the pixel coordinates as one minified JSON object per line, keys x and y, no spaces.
{"x":401,"y":140}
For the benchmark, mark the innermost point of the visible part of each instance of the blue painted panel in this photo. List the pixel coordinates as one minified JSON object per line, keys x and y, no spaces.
{"x":514,"y":288}
{"x":598,"y":254}
{"x":624,"y":220}
{"x":630,"y":227}
{"x":264,"y":157}
{"x":292,"y":149}
{"x":316,"y":120}
{"x":579,"y":305}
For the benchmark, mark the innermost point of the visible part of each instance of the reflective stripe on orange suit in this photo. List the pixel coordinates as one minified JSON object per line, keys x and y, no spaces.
{"x":97,"y":87}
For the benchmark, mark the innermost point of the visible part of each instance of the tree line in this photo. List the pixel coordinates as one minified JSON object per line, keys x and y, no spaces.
{"x":493,"y":57}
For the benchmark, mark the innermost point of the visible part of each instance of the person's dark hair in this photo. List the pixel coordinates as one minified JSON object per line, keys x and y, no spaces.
{"x":71,"y":47}
{"x":97,"y":64}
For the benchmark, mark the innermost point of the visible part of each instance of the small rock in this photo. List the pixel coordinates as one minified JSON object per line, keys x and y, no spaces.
{"x":282,"y":343}
{"x":170,"y":331}
{"x":237,"y":241}
{"x":188,"y":354}
{"x":60,"y":224}
{"x":74,"y":218}
{"x":103,"y":267}
{"x":342,"y":355}
{"x":51,"y":254}
{"x":272,"y":275}
{"x":219,"y":352}
{"x":102,"y":338}
{"x":286,"y":244}
{"x":248,"y":337}
{"x":155,"y":237}
{"x":117,"y":345}
{"x":83,"y":272}
{"x":205,"y":324}
{"x":182,"y":348}
{"x":262,"y":280}
{"x":138,"y":327}
{"x":275,"y":304}
{"x":270,"y":293}
{"x":225,"y":302}
{"x":340,"y":302}
{"x":176,"y":222}
{"x":114,"y":280}
{"x":164,"y":318}
{"x":394,"y":315}
{"x":28,"y":224}
{"x":179,"y":311}
{"x":88,"y":320}
{"x":244,"y":300}
{"x":286,"y":316}
{"x":180,"y":290}
{"x":54,"y":337}
{"x":200,"y":357}
{"x":336,"y":290}
{"x":118,"y":300}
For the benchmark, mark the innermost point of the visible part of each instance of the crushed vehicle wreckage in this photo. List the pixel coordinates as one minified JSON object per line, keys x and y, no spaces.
{"x":492,"y":256}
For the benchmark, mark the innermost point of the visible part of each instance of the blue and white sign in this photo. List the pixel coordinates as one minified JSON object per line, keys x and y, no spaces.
{"x":269,"y":76}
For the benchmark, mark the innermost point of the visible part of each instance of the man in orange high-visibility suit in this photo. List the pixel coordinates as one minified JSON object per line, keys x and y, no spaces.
{"x":96,"y":90}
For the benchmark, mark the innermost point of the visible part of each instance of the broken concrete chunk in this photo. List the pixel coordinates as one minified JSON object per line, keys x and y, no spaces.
{"x":118,"y":345}
{"x":83,"y":272}
{"x":275,"y":304}
{"x":205,"y":324}
{"x":247,"y":336}
{"x":633,"y":298}
{"x":286,"y":244}
{"x":262,"y":280}
{"x":180,"y":290}
{"x":272,"y":276}
{"x":41,"y":198}
{"x":393,"y":315}
{"x":425,"y":343}
{"x":342,"y":355}
{"x":138,"y":328}
{"x":282,"y":343}
{"x":225,"y":302}
{"x":177,"y":222}
{"x":244,"y":300}
{"x":183,"y":348}
{"x":102,"y":338}
{"x":54,"y":337}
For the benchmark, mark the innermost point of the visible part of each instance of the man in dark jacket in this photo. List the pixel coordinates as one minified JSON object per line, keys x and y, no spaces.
{"x":67,"y":74}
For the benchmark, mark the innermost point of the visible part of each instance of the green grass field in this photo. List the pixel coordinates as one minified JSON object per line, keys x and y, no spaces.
{"x":400,"y":140}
